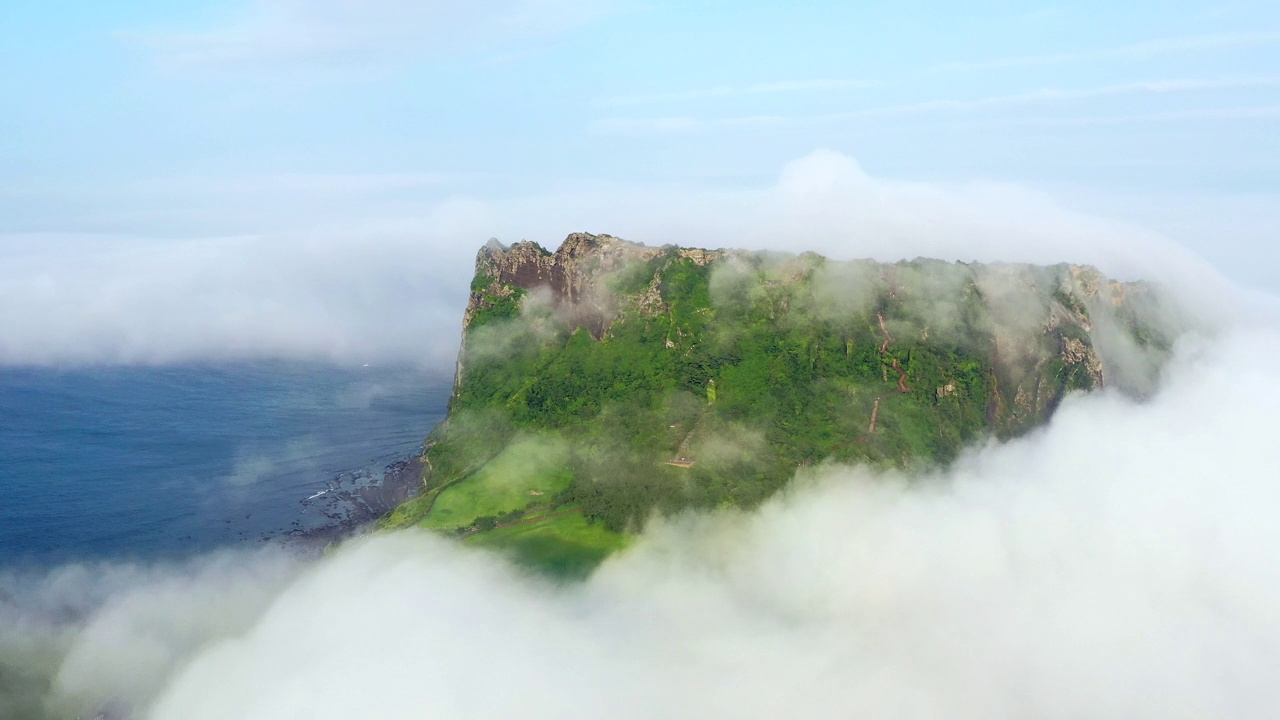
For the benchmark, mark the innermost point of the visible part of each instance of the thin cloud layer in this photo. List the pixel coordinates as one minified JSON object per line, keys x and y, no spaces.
{"x":727,"y":91}
{"x":1194,"y":44}
{"x":1039,"y":98}
{"x":362,"y":290}
{"x":270,"y":31}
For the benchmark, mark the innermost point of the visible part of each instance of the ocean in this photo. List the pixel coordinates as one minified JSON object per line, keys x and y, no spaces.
{"x":141,"y":463}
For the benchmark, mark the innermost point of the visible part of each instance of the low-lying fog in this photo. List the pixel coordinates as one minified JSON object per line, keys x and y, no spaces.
{"x":357,"y":290}
{"x":1120,"y":563}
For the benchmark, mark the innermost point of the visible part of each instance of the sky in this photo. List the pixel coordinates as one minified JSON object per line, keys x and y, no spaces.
{"x":377,"y":139}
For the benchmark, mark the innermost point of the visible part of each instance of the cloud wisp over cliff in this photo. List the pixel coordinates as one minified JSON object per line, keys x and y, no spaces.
{"x":369,"y":286}
{"x":1118,"y":563}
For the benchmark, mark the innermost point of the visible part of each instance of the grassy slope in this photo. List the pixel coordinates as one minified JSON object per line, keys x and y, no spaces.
{"x":528,"y":469}
{"x":564,"y":545}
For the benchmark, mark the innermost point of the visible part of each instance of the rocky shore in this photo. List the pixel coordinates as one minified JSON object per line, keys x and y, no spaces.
{"x":352,"y":503}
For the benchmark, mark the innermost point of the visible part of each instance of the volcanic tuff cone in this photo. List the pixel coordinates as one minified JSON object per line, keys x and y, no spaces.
{"x":656,"y":378}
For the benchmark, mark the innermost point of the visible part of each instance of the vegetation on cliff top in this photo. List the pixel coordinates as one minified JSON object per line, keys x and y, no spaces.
{"x":611,"y":381}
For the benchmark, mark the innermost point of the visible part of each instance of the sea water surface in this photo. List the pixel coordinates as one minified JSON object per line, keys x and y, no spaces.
{"x":150,"y":462}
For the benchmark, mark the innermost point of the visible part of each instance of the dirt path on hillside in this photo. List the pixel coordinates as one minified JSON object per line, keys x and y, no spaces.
{"x":884,"y":349}
{"x":681,"y":459}
{"x":897,"y":367}
{"x":902,"y":377}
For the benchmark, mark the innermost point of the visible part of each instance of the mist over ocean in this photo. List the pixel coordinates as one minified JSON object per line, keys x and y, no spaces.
{"x":160,"y":462}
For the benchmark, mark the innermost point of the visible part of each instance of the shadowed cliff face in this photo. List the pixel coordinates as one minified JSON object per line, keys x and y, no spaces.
{"x":609,"y":380}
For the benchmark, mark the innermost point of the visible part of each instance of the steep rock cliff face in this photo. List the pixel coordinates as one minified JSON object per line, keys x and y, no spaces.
{"x":1035,"y":320}
{"x":571,"y":274}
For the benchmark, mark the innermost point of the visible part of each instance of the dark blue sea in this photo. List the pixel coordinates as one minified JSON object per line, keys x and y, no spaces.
{"x":157,"y":462}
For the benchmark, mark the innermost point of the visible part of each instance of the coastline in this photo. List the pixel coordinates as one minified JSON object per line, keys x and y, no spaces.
{"x":356,"y":509}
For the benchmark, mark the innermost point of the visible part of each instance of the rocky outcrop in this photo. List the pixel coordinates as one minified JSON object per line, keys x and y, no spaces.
{"x":642,"y":359}
{"x":572,"y":274}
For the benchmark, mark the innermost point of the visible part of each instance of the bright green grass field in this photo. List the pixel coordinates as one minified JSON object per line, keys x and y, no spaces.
{"x":529,"y":470}
{"x":565,"y":546}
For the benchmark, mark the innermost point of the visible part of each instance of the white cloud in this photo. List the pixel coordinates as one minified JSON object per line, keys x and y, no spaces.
{"x":1134,"y":51}
{"x":1033,"y":98}
{"x":1234,"y":231}
{"x":724,"y":91}
{"x":1253,"y":112}
{"x":309,"y":185}
{"x":356,"y":290}
{"x":344,"y":299}
{"x":1118,"y":564}
{"x":83,"y":638}
{"x":289,"y":30}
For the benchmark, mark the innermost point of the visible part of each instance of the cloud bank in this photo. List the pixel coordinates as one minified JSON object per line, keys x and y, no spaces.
{"x":386,"y":289}
{"x":339,"y":299}
{"x":1119,"y":563}
{"x":86,"y":639}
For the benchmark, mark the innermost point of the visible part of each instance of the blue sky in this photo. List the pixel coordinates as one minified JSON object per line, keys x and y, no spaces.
{"x":186,"y":120}
{"x":509,"y":95}
{"x":1157,"y":95}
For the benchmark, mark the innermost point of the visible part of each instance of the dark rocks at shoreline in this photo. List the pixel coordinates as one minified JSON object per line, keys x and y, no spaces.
{"x":352,"y":504}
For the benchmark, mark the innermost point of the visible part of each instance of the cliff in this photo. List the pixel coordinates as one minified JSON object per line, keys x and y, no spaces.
{"x":610,"y":380}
